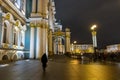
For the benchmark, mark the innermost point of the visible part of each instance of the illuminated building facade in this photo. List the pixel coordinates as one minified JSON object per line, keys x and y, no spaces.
{"x":82,"y":48}
{"x":113,"y":48}
{"x":28,"y":29}
{"x":12,"y":29}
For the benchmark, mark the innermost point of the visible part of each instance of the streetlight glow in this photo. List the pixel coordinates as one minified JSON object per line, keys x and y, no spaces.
{"x":93,"y":27}
{"x":75,"y":42}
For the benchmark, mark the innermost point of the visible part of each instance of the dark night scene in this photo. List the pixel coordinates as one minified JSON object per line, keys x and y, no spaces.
{"x":59,"y":40}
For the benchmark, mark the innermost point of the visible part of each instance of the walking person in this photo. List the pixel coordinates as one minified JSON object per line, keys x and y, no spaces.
{"x":44,"y":61}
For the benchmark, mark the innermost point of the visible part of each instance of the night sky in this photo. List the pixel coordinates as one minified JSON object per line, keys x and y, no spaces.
{"x":80,"y":15}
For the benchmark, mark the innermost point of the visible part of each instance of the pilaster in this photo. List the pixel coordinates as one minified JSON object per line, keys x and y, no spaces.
{"x":0,"y":26}
{"x":50,"y":42}
{"x":41,"y":40}
{"x":38,"y":47}
{"x":44,"y":39}
{"x":45,"y":36}
{"x":32,"y":41}
{"x":46,"y":31}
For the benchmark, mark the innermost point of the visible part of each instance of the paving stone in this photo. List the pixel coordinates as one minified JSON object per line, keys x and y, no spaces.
{"x":60,"y":67}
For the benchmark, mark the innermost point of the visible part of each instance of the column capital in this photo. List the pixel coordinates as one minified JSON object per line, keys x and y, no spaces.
{"x":38,"y":24}
{"x":44,"y":25}
{"x":67,"y":36}
{"x":32,"y":25}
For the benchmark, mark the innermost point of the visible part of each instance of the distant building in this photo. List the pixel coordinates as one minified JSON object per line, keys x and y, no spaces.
{"x":113,"y":48}
{"x":82,"y":48}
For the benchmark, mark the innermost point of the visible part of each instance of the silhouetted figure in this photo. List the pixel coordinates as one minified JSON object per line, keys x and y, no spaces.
{"x":44,"y":61}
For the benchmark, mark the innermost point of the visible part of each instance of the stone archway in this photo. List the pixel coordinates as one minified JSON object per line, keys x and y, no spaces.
{"x":5,"y":57}
{"x":65,"y":37}
{"x":59,"y":45}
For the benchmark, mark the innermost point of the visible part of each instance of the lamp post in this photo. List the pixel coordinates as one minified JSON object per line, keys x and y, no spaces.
{"x":94,"y":39}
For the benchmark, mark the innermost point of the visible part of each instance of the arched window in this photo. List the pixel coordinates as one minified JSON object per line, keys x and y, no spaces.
{"x":5,"y":33}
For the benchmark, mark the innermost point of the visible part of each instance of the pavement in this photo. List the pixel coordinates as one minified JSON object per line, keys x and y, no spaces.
{"x":60,"y":67}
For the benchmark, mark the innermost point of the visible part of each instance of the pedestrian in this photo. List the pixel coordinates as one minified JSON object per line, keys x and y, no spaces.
{"x":44,"y":61}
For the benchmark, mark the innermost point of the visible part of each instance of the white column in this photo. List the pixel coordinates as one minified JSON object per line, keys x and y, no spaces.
{"x":44,"y":40}
{"x":1,"y":26}
{"x":95,"y":41}
{"x":38,"y":47}
{"x":33,"y":5}
{"x":94,"y":38}
{"x":41,"y":41}
{"x":46,"y":31}
{"x":50,"y":42}
{"x":32,"y":43}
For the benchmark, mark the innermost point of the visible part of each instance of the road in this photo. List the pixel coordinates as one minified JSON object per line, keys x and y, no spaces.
{"x":60,"y":67}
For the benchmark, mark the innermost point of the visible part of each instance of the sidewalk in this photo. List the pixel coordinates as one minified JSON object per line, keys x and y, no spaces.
{"x":59,"y":68}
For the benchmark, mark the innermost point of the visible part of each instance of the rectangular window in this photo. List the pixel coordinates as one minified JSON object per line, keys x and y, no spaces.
{"x":4,"y":37}
{"x":14,"y":41}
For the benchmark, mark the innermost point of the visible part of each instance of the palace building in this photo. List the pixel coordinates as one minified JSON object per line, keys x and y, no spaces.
{"x":115,"y":48}
{"x":28,"y":28}
{"x":81,"y":48}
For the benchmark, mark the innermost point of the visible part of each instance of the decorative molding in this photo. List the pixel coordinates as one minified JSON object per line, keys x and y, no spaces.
{"x":33,"y":14}
{"x":32,"y":25}
{"x":5,"y":45}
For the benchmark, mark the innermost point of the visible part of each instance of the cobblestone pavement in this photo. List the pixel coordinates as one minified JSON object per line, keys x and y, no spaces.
{"x":60,"y":68}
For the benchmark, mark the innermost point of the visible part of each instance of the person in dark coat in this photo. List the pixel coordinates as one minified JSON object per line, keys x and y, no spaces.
{"x":44,"y":61}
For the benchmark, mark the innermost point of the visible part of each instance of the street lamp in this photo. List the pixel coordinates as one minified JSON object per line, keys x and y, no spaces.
{"x":93,"y":30}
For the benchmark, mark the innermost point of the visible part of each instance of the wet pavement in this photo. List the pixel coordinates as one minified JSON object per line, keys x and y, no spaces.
{"x":60,"y":68}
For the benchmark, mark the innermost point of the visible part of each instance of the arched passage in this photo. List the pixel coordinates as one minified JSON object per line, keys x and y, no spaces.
{"x":59,"y":45}
{"x":5,"y":57}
